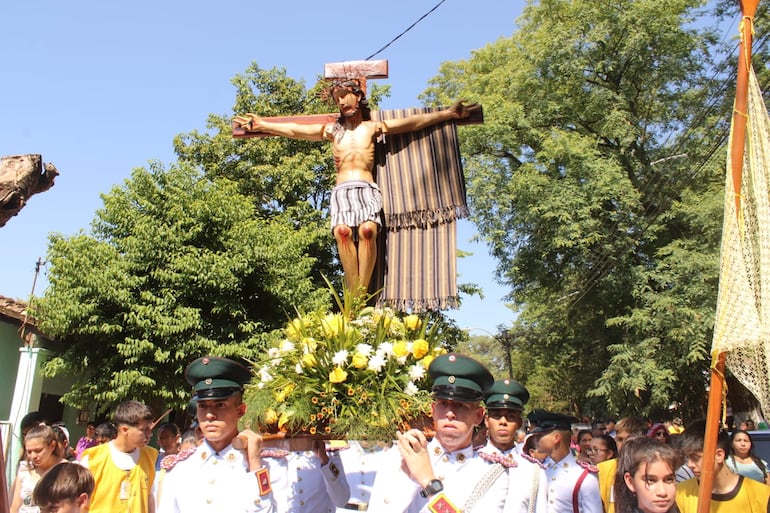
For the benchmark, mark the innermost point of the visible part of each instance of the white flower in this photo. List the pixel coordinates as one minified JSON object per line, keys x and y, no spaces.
{"x":376,"y":363}
{"x":273,"y":353}
{"x":287,"y":346}
{"x":411,"y":389}
{"x":401,"y":360}
{"x":339,"y":358}
{"x":264,"y":375}
{"x":416,"y":372}
{"x":386,"y":348}
{"x":364,"y":349}
{"x":298,"y":368}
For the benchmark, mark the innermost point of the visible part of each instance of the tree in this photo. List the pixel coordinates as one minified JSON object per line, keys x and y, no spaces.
{"x":178,"y":265}
{"x":593,"y":180}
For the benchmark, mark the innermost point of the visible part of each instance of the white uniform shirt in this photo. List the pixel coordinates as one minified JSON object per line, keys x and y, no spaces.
{"x":312,"y":488}
{"x":460,"y":471}
{"x":207,"y":481}
{"x":361,"y":466}
{"x":522,"y":479}
{"x":562,"y":478}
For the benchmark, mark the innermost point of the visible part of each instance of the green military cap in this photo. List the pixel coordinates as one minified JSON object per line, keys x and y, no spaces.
{"x":216,"y":378}
{"x":506,"y":393}
{"x":459,"y":378}
{"x":548,"y":421}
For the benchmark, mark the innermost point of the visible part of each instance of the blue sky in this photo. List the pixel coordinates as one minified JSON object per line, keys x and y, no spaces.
{"x":101,"y":88}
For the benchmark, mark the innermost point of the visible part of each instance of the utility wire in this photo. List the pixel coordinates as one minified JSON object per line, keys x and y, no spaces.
{"x":410,"y":27}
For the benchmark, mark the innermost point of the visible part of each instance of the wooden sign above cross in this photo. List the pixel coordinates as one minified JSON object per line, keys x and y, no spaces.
{"x":340,"y":71}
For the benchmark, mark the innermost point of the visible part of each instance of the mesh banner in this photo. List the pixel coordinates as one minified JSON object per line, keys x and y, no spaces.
{"x":742,"y":327}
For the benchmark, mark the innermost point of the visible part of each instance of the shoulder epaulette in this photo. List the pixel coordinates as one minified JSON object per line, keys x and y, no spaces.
{"x":588,"y":466}
{"x":506,"y":461}
{"x":171,"y":460}
{"x":273,"y":453}
{"x":533,"y":460}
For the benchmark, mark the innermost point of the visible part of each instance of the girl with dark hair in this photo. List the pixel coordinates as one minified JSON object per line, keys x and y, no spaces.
{"x":42,"y":452}
{"x":742,"y":459}
{"x":645,"y":481}
{"x":660,"y":433}
{"x":584,"y":437}
{"x":603,"y":448}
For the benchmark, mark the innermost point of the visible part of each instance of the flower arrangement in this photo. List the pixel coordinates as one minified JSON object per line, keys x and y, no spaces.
{"x":360,"y":374}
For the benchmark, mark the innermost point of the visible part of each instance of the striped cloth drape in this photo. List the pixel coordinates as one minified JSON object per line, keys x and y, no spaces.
{"x":421,"y":178}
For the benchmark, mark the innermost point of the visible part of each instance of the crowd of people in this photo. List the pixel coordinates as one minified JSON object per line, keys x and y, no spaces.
{"x":482,"y":456}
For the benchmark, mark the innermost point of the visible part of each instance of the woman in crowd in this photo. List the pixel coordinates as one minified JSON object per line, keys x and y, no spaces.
{"x":603,"y":448}
{"x":660,"y":433}
{"x":530,"y":450}
{"x":42,"y":452}
{"x":584,"y":437}
{"x":742,"y":459}
{"x":645,"y":481}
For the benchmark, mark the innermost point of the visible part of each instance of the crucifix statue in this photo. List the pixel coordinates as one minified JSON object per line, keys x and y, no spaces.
{"x":356,"y":200}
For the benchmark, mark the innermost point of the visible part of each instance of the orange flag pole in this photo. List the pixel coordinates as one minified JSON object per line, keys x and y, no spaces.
{"x":740,"y":116}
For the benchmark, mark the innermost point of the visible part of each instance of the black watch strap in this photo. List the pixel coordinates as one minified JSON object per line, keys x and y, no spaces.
{"x":434,"y":486}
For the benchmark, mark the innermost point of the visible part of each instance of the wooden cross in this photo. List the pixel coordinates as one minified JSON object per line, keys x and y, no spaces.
{"x":339,"y":71}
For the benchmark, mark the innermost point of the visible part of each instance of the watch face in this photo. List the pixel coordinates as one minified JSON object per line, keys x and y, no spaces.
{"x":436,"y":486}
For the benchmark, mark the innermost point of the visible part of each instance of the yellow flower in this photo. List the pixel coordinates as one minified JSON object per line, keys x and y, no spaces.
{"x":333,"y":324}
{"x":271,"y":417}
{"x":338,"y":375}
{"x":313,"y":430}
{"x":282,"y":394}
{"x":309,"y":360}
{"x":439,"y":350}
{"x":309,"y":344}
{"x":400,"y":349}
{"x":420,"y":348}
{"x":426,"y":361}
{"x":412,"y":322}
{"x":283,"y":420}
{"x":359,"y":361}
{"x":294,"y":329}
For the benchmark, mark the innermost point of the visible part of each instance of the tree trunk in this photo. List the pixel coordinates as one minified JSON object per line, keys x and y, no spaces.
{"x":21,"y":176}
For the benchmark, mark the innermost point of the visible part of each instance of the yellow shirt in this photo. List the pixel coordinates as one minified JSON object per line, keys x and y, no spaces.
{"x":607,"y":471}
{"x":117,"y":490}
{"x":748,"y":496}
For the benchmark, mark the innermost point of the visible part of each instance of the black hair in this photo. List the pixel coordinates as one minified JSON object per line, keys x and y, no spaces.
{"x":635,"y":452}
{"x":756,"y":459}
{"x":609,"y":442}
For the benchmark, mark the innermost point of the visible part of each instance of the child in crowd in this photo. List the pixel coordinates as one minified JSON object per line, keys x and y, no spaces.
{"x":645,"y":481}
{"x":66,"y":488}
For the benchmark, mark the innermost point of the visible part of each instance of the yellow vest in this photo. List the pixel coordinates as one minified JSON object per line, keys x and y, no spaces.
{"x":749,"y":497}
{"x":120,"y":491}
{"x":607,"y":471}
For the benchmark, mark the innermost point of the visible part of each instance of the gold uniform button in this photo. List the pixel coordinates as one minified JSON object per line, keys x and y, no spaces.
{"x":437,"y":450}
{"x":445,"y":458}
{"x":461,"y":457}
{"x":299,"y":478}
{"x":209,"y":500}
{"x":257,"y":502}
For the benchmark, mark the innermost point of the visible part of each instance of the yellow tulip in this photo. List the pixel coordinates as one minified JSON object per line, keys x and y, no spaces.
{"x":412,"y":322}
{"x":420,"y":348}
{"x":309,"y":360}
{"x":426,"y":361}
{"x":359,"y":361}
{"x":333,"y":324}
{"x":271,"y":417}
{"x":400,"y":349}
{"x":338,"y":375}
{"x":283,"y":420}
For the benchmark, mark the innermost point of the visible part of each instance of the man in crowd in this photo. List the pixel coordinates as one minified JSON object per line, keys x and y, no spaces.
{"x":446,"y":474}
{"x":730,"y":492}
{"x":124,"y":468}
{"x":527,"y":483}
{"x":625,"y":429}
{"x":226,"y":472}
{"x":573,"y":485}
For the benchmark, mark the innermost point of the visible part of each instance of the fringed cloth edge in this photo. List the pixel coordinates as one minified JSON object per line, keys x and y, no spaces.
{"x":423,"y":185}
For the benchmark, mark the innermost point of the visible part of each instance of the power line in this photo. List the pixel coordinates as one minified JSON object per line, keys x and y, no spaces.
{"x":410,"y":27}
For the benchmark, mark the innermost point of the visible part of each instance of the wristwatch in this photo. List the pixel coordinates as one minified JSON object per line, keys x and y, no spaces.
{"x":434,"y":486}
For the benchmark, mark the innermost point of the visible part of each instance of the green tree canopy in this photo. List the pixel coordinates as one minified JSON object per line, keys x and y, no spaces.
{"x":594,"y":181}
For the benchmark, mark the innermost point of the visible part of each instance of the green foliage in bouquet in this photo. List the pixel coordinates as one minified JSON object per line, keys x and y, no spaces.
{"x":359,"y":374}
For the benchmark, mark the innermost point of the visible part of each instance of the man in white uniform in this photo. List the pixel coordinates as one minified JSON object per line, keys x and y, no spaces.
{"x":217,"y":476}
{"x":445,"y":475}
{"x":573,"y":486}
{"x":527,"y":483}
{"x":317,"y":482}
